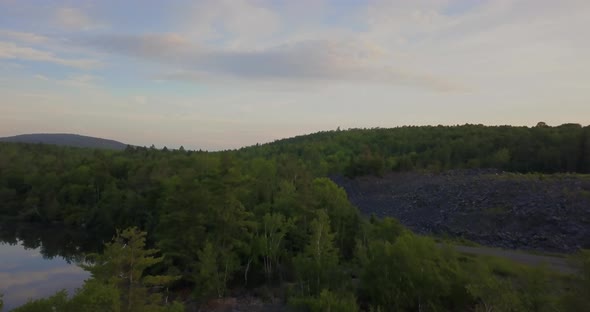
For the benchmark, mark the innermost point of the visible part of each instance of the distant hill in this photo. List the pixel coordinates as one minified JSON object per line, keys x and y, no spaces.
{"x":66,"y":139}
{"x":358,"y":152}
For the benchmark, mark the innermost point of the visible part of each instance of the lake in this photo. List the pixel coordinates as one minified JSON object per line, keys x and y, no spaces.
{"x":36,"y":262}
{"x":25,"y":273}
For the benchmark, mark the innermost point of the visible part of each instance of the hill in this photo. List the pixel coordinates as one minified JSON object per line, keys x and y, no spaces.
{"x":66,"y":139}
{"x":262,"y":214}
{"x":358,"y":152}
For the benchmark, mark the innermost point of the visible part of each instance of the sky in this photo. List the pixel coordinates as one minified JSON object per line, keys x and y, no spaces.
{"x":221,"y":74}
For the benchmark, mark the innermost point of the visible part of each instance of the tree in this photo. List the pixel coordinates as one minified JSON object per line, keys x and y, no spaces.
{"x":343,"y":216}
{"x":317,"y":267}
{"x":216,"y":267}
{"x":57,"y":302}
{"x":387,"y":229}
{"x":501,"y":158}
{"x":231,"y":232}
{"x":270,"y":240}
{"x":181,"y":230}
{"x":95,"y":296}
{"x":541,"y":124}
{"x":410,"y":274}
{"x":384,"y":230}
{"x":122,"y":266}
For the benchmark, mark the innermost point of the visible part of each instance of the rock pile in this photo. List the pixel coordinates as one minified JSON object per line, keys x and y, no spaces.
{"x":517,"y":211}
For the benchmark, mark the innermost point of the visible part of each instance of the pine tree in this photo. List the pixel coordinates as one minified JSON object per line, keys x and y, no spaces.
{"x":122,"y":266}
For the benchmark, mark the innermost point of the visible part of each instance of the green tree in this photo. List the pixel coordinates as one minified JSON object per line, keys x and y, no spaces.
{"x":122,"y":265}
{"x":57,"y":302}
{"x":410,"y":274}
{"x":95,"y":296}
{"x":387,"y":229}
{"x":343,"y":216}
{"x":216,"y":267}
{"x":270,"y":241}
{"x":317,"y":267}
{"x":181,"y":230}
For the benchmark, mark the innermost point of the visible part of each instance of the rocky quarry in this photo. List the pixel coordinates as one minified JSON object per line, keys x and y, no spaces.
{"x":548,"y":213}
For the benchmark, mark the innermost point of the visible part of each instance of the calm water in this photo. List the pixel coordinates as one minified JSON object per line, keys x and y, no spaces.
{"x":25,"y":273}
{"x":37,"y":261}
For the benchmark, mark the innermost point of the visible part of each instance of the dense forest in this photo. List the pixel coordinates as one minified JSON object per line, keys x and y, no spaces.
{"x":354,"y":152}
{"x":195,"y":226}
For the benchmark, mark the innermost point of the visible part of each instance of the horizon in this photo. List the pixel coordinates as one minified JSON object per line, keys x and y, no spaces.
{"x":279,"y":139}
{"x":221,"y":74}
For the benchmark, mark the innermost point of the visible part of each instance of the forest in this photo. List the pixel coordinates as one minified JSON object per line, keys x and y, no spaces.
{"x":189,"y":227}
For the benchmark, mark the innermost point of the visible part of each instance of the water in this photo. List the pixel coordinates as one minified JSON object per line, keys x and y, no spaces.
{"x":37,"y":261}
{"x":25,"y":273}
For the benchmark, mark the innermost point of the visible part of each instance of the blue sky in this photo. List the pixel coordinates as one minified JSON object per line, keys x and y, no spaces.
{"x":229,"y":73}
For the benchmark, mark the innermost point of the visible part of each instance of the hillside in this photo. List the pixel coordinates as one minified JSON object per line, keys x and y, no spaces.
{"x":493,"y":208}
{"x":66,"y":139}
{"x":269,"y":215}
{"x":357,"y":152}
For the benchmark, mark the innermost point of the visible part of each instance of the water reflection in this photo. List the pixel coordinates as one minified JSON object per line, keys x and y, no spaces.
{"x":25,"y":273}
{"x":36,"y":261}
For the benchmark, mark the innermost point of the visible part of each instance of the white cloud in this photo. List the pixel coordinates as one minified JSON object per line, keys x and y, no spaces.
{"x":323,"y":60}
{"x":10,"y":50}
{"x":139,"y":99}
{"x":73,"y":80}
{"x":236,"y":23}
{"x":495,"y":45}
{"x":24,"y":37}
{"x":80,"y":81}
{"x":75,"y":19}
{"x":41,"y":77}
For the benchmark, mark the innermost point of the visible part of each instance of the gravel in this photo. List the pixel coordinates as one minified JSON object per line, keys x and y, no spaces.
{"x":516,"y":211}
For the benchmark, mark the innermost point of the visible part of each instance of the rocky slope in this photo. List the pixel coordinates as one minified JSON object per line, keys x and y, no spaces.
{"x":537,"y":212}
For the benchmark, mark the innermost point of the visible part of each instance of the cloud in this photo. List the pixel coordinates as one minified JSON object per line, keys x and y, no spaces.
{"x":77,"y":80}
{"x":41,"y":77}
{"x":325,"y":60}
{"x":23,"y":37}
{"x":497,"y":46}
{"x":139,"y":99}
{"x":239,"y":22}
{"x":75,"y":19}
{"x":10,"y":50}
{"x":80,"y":81}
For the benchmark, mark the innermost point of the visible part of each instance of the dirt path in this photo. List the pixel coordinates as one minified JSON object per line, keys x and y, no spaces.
{"x":555,"y":263}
